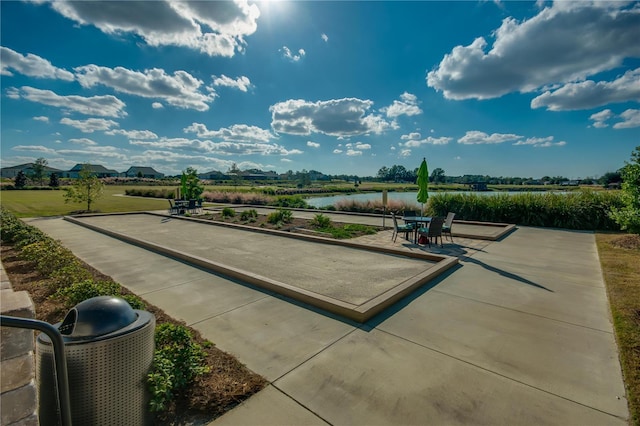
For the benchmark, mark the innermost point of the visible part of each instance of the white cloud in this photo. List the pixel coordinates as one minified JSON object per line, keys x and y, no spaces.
{"x":336,"y":117}
{"x":237,"y":133}
{"x":234,"y":144}
{"x":540,"y":142}
{"x":429,"y":140}
{"x":353,"y":152}
{"x":407,"y":105}
{"x":157,"y":105}
{"x":83,"y":141}
{"x":286,"y":52}
{"x":286,"y":160}
{"x":631,"y":119}
{"x":562,"y":44}
{"x":34,"y":148}
{"x":90,"y":125}
{"x":216,"y":28}
{"x":589,"y":94}
{"x":42,"y":118}
{"x":96,"y":153}
{"x":241,"y":83}
{"x":599,"y":118}
{"x":404,"y":153}
{"x":12,"y":93}
{"x":180,"y":89}
{"x":133,"y":134}
{"x":337,"y":151}
{"x":358,"y":145}
{"x":30,"y":65}
{"x":313,"y":144}
{"x":413,"y":135}
{"x":105,"y":106}
{"x":475,"y":137}
{"x":324,"y":37}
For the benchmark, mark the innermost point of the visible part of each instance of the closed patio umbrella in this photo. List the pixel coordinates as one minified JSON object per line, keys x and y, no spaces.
{"x":423,"y":184}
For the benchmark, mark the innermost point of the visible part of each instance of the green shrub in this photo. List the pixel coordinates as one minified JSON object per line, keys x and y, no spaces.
{"x":13,"y":230}
{"x":78,"y":292}
{"x":151,"y":193}
{"x":69,"y":274}
{"x":280,"y":216}
{"x":292,"y":201}
{"x":248,"y":214}
{"x":176,"y":362}
{"x":320,"y":221}
{"x":48,"y":255}
{"x":228,"y":212}
{"x":628,"y":214}
{"x":585,"y":210}
{"x":134,"y":301}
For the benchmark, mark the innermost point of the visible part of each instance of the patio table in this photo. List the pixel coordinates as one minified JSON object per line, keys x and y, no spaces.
{"x":416,"y":221}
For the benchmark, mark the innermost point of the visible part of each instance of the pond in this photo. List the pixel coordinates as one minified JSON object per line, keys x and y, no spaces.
{"x":408,"y":197}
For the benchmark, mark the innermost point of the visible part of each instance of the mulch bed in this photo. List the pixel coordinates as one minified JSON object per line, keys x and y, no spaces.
{"x":228,"y":384}
{"x":630,"y":241}
{"x":296,"y":225}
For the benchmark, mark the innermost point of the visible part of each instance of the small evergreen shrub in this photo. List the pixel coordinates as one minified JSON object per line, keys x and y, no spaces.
{"x":228,"y":212}
{"x":248,"y":215}
{"x":321,"y":221}
{"x":48,"y":255}
{"x":81,"y":291}
{"x":280,"y":216}
{"x":176,"y":362}
{"x":72,"y":273}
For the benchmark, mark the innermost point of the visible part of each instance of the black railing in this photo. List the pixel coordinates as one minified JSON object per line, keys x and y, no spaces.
{"x":62,"y":378}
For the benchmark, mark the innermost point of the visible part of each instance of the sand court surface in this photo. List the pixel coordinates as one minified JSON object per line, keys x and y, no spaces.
{"x":356,"y":281}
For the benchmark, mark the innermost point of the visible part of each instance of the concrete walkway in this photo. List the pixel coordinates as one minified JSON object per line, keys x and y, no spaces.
{"x":519,"y":333}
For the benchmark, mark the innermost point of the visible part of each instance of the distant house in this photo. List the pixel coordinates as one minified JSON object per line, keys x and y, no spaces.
{"x":96,"y":170}
{"x":213,"y":175}
{"x":27,"y":169}
{"x":145,"y":172}
{"x":258,"y":175}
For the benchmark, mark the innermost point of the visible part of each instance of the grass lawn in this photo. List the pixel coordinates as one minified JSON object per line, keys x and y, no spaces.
{"x":29,"y":203}
{"x":621,"y":270}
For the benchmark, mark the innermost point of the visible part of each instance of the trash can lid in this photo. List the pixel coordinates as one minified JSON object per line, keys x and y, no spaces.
{"x":96,"y":317}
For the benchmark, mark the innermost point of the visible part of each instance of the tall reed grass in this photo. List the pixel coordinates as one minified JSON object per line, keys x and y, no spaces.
{"x":585,"y":210}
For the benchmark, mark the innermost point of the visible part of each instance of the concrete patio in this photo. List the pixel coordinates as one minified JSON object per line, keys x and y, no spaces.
{"x":518,"y":333}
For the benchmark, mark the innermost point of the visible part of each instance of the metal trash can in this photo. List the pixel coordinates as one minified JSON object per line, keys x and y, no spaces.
{"x":109,"y":348}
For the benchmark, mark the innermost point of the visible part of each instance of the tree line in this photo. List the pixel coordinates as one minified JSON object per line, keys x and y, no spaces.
{"x":399,"y":174}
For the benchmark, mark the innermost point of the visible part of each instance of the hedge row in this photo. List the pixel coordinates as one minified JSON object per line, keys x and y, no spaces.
{"x":583,"y":210}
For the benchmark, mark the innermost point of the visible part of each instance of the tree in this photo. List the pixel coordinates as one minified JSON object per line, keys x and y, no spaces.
{"x":86,"y":188}
{"x":437,"y":175}
{"x":21,"y":180}
{"x":383,"y":173}
{"x":192,"y":189}
{"x":609,"y":178}
{"x":234,"y":172}
{"x":628,"y":217}
{"x":54,"y":181}
{"x":303,"y":178}
{"x":39,"y":170}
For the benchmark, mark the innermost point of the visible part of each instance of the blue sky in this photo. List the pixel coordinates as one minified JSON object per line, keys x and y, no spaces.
{"x":500,"y":88}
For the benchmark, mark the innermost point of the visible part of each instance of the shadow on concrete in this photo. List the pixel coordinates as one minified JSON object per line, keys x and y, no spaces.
{"x":506,"y":274}
{"x":404,"y":302}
